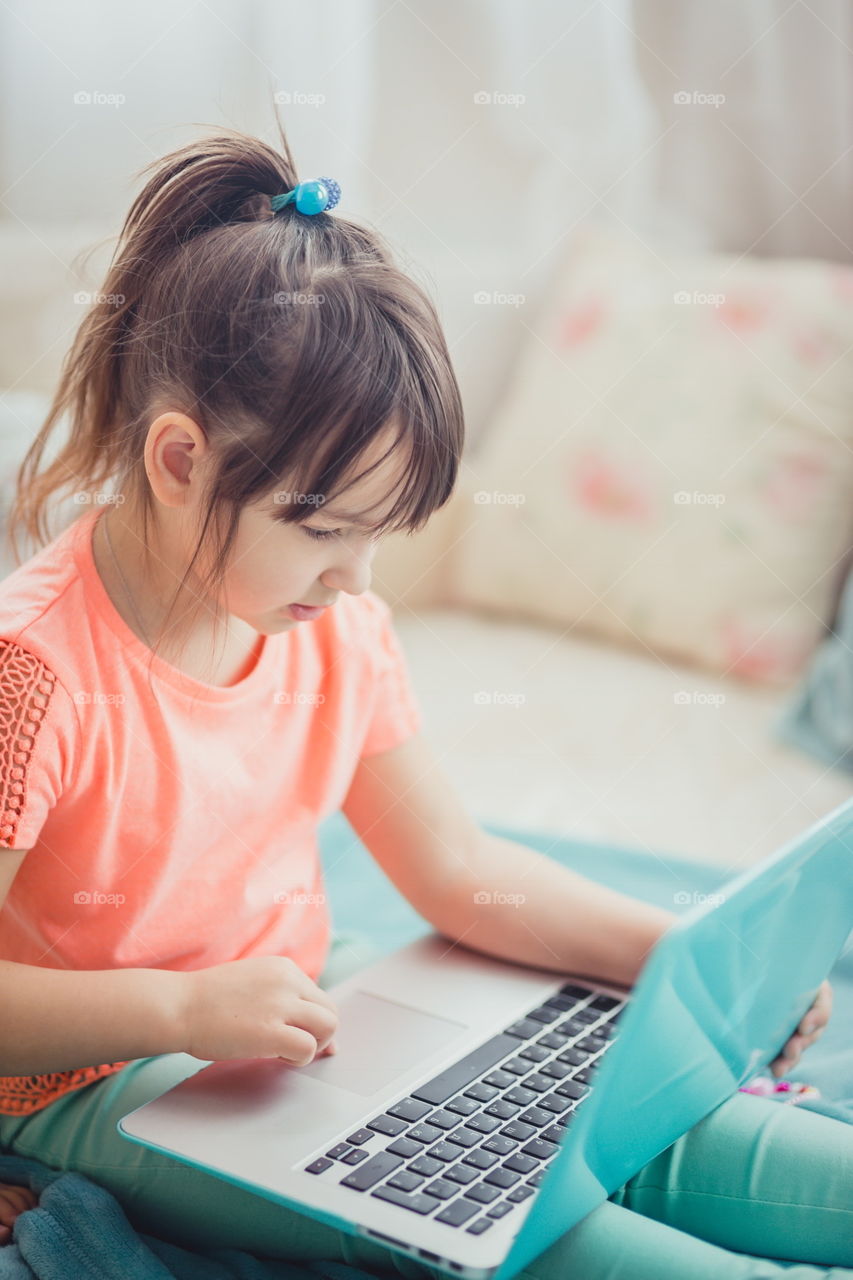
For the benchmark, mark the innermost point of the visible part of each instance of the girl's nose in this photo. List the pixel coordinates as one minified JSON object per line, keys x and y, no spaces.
{"x":353,"y":574}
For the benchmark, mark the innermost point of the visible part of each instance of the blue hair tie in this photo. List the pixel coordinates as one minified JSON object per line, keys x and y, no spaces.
{"x":320,"y":195}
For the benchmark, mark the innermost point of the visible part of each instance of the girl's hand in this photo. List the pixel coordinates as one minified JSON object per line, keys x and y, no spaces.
{"x":258,"y":1007}
{"x":810,"y":1029}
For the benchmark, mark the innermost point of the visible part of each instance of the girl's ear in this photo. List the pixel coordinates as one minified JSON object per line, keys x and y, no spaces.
{"x":175,"y":451}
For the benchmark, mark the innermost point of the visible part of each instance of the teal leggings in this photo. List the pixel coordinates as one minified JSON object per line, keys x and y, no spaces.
{"x":754,"y":1181}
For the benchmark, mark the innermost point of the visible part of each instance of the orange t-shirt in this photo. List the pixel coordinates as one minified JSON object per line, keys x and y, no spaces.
{"x":174,"y":831}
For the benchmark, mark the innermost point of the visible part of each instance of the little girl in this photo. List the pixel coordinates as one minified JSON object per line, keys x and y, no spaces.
{"x":195,"y":673}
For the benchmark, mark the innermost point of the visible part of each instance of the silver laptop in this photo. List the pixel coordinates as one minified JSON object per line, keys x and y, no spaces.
{"x":477,"y":1109}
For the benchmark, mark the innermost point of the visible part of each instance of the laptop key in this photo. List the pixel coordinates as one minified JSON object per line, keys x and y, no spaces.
{"x":360,"y":1136}
{"x":500,"y":1146}
{"x":584,"y":1076}
{"x":573,"y":1056}
{"x":458,"y":1212}
{"x":551,"y":1040}
{"x":405,"y":1181}
{"x":545,"y":1013}
{"x":477,"y":1228}
{"x":462,"y":1173}
{"x":387,"y":1124}
{"x":418,"y":1202}
{"x":537,"y":1117}
{"x":464,"y":1137}
{"x":500,"y":1079}
{"x":539,"y":1082}
{"x":554,"y":1103}
{"x":481,"y":1091}
{"x":425,"y":1165}
{"x":554,"y":1134}
{"x":563,"y":1003}
{"x":405,"y":1147}
{"x":539,"y":1150}
{"x":481,"y":1159}
{"x":592,"y":1044}
{"x":572,"y":989}
{"x":462,"y":1106}
{"x":520,"y":1095}
{"x":408,"y":1109}
{"x":524,"y":1029}
{"x":466,"y":1070}
{"x":606,"y":1003}
{"x":444,"y":1119}
{"x":516,"y":1129}
{"x":502,"y":1109}
{"x":586,"y":1015}
{"x":571,"y":1089}
{"x":442,"y":1188}
{"x":424,"y":1133}
{"x":353,"y":1156}
{"x":500,"y":1210}
{"x":502,"y":1177}
{"x":376,"y":1168}
{"x":335,"y":1153}
{"x":483,"y":1123}
{"x":482,"y":1193}
{"x":319,"y":1165}
{"x":444,"y":1151}
{"x":519,"y":1194}
{"x":556,"y":1070}
{"x":534,"y":1052}
{"x":520,"y":1163}
{"x":518,"y":1066}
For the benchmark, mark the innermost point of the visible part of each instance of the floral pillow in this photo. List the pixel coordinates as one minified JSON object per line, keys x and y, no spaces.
{"x":673,"y":464}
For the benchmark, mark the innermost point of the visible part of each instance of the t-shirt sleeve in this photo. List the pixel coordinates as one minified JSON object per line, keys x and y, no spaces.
{"x":37,"y":726}
{"x":395,"y":715}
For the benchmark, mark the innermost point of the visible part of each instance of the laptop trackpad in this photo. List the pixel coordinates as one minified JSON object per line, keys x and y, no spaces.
{"x":378,"y":1039}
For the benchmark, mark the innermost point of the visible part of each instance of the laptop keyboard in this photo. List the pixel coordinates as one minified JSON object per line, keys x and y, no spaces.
{"x":469,"y":1145}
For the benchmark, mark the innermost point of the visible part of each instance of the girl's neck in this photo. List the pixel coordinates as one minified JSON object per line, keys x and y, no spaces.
{"x":234,"y":659}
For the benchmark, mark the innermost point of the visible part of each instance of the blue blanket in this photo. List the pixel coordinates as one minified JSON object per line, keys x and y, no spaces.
{"x":80,"y":1230}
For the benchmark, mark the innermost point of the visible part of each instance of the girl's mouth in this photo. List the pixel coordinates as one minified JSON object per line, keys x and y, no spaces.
{"x":304,"y":612}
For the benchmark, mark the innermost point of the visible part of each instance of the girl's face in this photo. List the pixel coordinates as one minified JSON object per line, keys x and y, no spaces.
{"x":275,"y":564}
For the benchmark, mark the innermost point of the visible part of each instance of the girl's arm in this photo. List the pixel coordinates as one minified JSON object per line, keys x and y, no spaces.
{"x":491,"y":894}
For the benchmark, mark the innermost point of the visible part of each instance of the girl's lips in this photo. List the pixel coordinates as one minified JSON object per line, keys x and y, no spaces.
{"x":304,"y":612}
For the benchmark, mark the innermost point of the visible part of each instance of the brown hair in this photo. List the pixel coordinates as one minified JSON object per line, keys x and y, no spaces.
{"x":292,"y":340}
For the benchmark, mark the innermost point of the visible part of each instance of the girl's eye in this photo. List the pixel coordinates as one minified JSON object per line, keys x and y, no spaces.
{"x":321,"y":533}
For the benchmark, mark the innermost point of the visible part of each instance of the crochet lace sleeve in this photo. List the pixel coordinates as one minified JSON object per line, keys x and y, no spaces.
{"x":31,"y":768}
